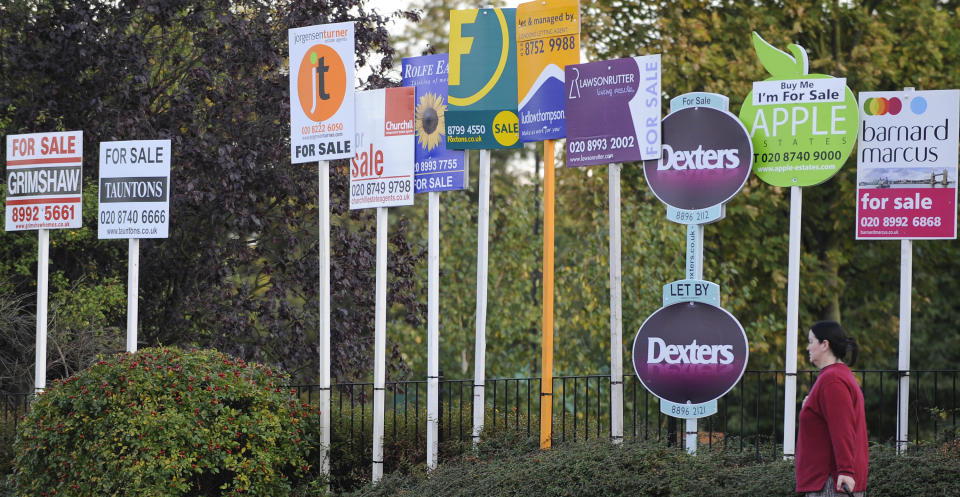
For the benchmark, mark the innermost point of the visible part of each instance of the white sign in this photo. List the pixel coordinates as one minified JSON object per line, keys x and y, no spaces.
{"x":381,"y":171}
{"x":907,"y":164}
{"x":134,"y":189}
{"x":321,"y":92}
{"x":44,"y":181}
{"x":799,"y":91}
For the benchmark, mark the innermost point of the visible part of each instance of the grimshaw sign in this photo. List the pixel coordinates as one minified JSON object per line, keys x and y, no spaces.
{"x":321,"y":92}
{"x":44,"y":181}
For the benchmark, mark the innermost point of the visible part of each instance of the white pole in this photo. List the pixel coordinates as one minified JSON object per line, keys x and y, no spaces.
{"x":903,"y":354}
{"x":793,"y":310}
{"x":480,"y":358}
{"x":380,"y":344}
{"x":43,"y":256}
{"x":433,"y":330}
{"x":616,"y":308}
{"x":903,"y":350}
{"x":694,"y":272}
{"x":133,"y":287}
{"x":324,"y":339}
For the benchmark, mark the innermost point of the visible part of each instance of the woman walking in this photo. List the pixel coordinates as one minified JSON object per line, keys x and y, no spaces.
{"x":832,"y":443}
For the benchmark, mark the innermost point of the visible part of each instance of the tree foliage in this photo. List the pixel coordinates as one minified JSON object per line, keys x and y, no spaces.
{"x":239,"y":271}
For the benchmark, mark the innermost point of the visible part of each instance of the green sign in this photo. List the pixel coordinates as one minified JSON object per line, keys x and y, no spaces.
{"x":482,"y":91}
{"x":803,"y":126}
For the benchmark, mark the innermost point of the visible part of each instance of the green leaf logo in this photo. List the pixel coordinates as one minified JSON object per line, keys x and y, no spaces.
{"x":778,"y":63}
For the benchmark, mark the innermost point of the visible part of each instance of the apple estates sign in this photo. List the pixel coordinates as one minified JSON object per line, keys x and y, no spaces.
{"x":690,"y":352}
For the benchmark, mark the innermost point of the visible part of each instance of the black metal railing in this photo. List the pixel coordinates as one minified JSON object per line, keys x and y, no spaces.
{"x":749,"y":416}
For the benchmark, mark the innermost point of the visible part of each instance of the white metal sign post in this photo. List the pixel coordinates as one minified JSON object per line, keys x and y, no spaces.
{"x":134,"y":204}
{"x":44,"y":182}
{"x":381,"y":176}
{"x":480,"y":339}
{"x":322,"y":124}
{"x":616,"y":307}
{"x":436,"y":169}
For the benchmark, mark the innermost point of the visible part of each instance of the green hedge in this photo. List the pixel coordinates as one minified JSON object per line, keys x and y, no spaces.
{"x":503,"y":467}
{"x":163,"y":422}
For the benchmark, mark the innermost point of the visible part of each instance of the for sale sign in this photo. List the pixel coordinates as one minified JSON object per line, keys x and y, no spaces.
{"x":706,"y":159}
{"x":134,"y":189}
{"x":44,"y":181}
{"x":548,"y":39}
{"x":613,"y":110}
{"x":321,"y":92}
{"x":437,"y":168}
{"x":482,"y":82}
{"x":381,"y":171}
{"x":907,"y":165}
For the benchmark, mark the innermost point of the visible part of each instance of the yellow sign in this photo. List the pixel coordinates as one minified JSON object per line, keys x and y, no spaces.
{"x":548,"y":40}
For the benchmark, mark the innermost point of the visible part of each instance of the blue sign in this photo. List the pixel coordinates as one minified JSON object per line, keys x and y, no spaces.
{"x":435,"y":168}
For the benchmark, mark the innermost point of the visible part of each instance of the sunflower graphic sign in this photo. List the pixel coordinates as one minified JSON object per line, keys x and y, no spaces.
{"x":435,"y":167}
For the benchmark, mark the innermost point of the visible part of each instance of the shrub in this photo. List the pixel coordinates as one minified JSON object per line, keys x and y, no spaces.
{"x":163,"y":422}
{"x":647,"y":469}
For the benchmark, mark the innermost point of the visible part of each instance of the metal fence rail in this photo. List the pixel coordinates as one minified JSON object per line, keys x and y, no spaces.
{"x":748,"y":417}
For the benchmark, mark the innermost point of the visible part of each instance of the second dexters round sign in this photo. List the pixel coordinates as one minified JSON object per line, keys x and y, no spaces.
{"x":690,"y":352}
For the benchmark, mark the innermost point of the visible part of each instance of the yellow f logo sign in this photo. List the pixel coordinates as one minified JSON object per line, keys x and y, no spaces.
{"x":459,"y":45}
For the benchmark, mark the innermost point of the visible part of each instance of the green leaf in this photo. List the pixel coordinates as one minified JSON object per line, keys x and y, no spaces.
{"x":778,"y":63}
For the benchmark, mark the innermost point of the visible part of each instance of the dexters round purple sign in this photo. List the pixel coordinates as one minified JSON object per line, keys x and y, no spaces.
{"x":690,"y":352}
{"x":706,"y":159}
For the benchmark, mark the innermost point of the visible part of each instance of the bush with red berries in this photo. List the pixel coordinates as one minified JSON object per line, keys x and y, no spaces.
{"x":165,"y":422}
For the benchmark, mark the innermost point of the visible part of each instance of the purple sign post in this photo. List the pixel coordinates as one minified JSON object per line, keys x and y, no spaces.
{"x":691,"y":352}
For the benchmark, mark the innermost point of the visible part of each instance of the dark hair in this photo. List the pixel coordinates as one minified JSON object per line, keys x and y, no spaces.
{"x":840,"y":343}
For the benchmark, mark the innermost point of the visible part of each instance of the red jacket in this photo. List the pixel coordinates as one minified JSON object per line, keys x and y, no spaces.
{"x":833,"y":432}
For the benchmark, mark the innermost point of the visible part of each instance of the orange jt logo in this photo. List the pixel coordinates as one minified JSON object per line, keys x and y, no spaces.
{"x":321,"y":82}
